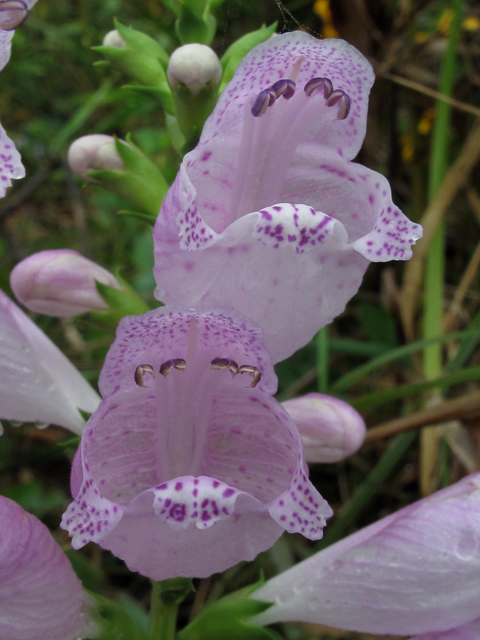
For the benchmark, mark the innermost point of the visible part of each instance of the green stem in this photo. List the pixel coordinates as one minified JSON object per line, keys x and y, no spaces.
{"x":163,"y":617}
{"x":322,"y":359}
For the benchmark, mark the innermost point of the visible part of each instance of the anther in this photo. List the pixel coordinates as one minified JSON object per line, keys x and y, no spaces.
{"x":335,"y":97}
{"x":253,"y":371}
{"x":343,"y":107}
{"x":264,"y":100}
{"x":319,"y":83}
{"x":140,"y":371}
{"x":233,"y":366}
{"x":218,"y":364}
{"x":13,"y":13}
{"x":284,"y":87}
{"x":176,"y":363}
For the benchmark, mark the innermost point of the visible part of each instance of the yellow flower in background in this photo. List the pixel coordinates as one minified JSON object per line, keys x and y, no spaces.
{"x":408,"y":148}
{"x":471,"y":24}
{"x":426,"y":121}
{"x":420,"y":37}
{"x":443,"y":25}
{"x":322,"y":9}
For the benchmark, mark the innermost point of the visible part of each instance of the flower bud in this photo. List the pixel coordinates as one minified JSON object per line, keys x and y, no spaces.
{"x":60,"y":282}
{"x":195,"y":66}
{"x":331,"y":429}
{"x":94,"y":152}
{"x":114,"y":39}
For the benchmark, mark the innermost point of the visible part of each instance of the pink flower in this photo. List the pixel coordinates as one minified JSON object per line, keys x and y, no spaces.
{"x":40,"y":595}
{"x":414,"y":572}
{"x":60,"y":282}
{"x":268,"y":213}
{"x":37,"y":382}
{"x":331,"y":429}
{"x":189,"y":465}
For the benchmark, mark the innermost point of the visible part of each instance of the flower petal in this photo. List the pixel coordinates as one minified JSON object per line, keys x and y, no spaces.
{"x":306,"y":289}
{"x":10,"y":163}
{"x":273,"y":60}
{"x":5,"y":46}
{"x":37,"y":382}
{"x":469,"y":631}
{"x":416,"y":571}
{"x":40,"y":595}
{"x":163,"y":334}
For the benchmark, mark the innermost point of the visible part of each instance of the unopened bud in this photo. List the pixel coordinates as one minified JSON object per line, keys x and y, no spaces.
{"x":94,"y":152}
{"x":12,"y":14}
{"x":114,"y":39}
{"x":60,"y":282}
{"x":331,"y":429}
{"x":194,"y":66}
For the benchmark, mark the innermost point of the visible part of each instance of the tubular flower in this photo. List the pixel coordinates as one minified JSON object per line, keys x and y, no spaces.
{"x":40,"y":595}
{"x":189,"y":465}
{"x":416,"y":571}
{"x":269,"y":200}
{"x":37,"y":382}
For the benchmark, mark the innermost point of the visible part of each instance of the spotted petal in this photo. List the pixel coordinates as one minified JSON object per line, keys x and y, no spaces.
{"x":11,"y":166}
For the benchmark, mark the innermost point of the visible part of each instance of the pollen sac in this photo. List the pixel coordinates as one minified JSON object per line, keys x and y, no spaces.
{"x":323,"y":84}
{"x":176,"y":363}
{"x":13,"y":13}
{"x":140,"y":371}
{"x":218,"y":364}
{"x":340,"y":99}
{"x":264,"y":100}
{"x":233,"y":367}
{"x":253,"y":371}
{"x":284,"y":87}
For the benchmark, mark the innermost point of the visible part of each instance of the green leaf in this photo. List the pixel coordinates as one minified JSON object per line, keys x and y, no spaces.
{"x":122,"y":301}
{"x":229,"y":618}
{"x":239,"y":49}
{"x":146,"y":217}
{"x":190,"y":27}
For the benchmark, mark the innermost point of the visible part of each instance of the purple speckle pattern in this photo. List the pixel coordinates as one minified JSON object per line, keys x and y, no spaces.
{"x":162,"y":334}
{"x":202,"y":501}
{"x":301,"y":509}
{"x":194,"y":234}
{"x":10,"y":163}
{"x":273,"y":60}
{"x":90,"y":517}
{"x":294,"y":225}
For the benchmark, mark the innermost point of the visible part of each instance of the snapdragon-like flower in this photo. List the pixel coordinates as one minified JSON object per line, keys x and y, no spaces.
{"x":37,"y":382}
{"x":40,"y":595}
{"x":268,"y":213}
{"x":189,"y":465}
{"x":60,"y":282}
{"x":416,"y":571}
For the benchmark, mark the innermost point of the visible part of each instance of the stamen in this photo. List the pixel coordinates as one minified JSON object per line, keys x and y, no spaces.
{"x":343,"y":107}
{"x":219,"y":364}
{"x":140,"y":371}
{"x":253,"y":371}
{"x":264,"y":100}
{"x":319,"y":83}
{"x":233,"y":366}
{"x":13,"y":13}
{"x":284,"y":87}
{"x":176,"y":363}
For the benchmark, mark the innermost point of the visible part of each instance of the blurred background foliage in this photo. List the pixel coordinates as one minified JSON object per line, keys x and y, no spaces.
{"x":52,"y":92}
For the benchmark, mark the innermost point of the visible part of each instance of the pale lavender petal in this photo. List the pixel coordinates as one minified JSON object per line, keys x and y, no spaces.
{"x":247,"y":483}
{"x":40,"y":595}
{"x":331,"y":429}
{"x":469,"y":631}
{"x":11,"y":166}
{"x":37,"y":382}
{"x":163,"y":334}
{"x":290,"y":293}
{"x":416,"y":571}
{"x":5,"y":46}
